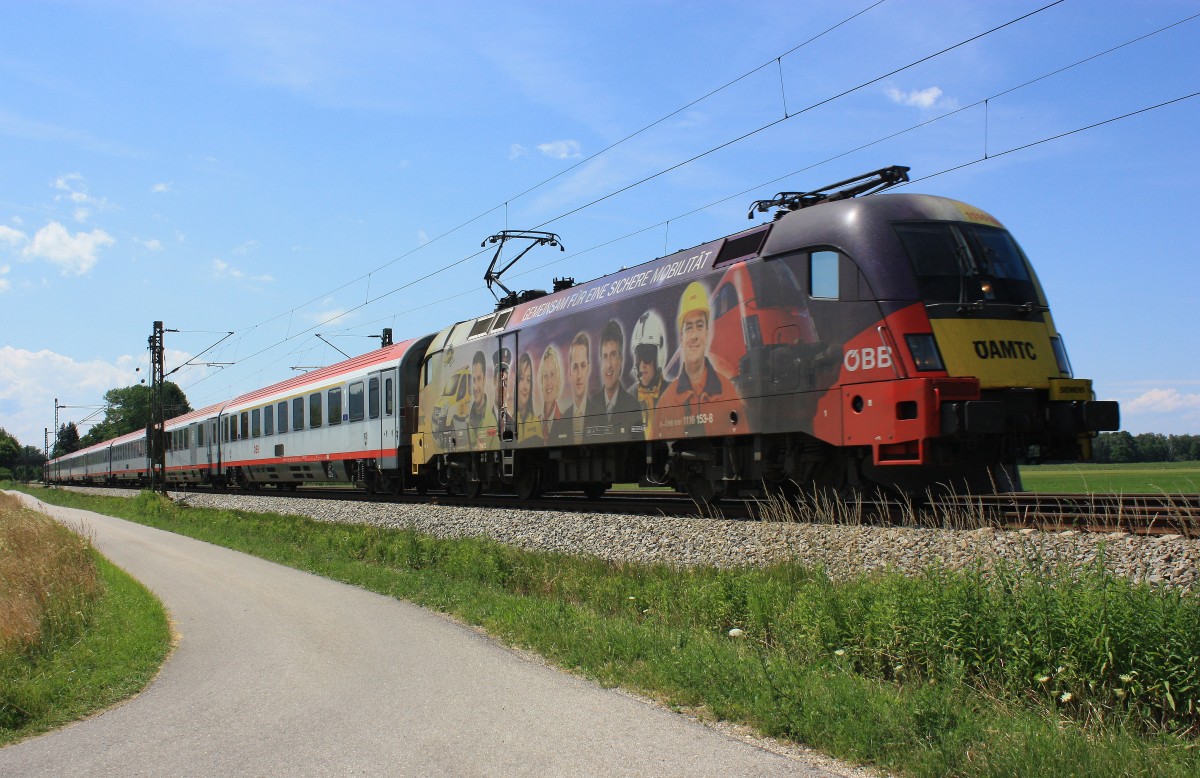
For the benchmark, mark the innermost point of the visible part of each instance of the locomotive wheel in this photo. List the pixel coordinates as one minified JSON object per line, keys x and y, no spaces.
{"x":528,"y":482}
{"x":595,"y":491}
{"x":703,"y":491}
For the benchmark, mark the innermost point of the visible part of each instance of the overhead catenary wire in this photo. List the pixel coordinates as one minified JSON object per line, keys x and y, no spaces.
{"x":986,"y":156}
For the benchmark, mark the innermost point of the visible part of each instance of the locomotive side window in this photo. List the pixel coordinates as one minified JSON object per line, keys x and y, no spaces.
{"x":335,"y":406}
{"x":298,"y":414}
{"x":823,"y":274}
{"x":314,"y":410}
{"x":354,"y":401}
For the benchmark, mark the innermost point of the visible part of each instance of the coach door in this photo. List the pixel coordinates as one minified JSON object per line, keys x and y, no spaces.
{"x":384,"y":416}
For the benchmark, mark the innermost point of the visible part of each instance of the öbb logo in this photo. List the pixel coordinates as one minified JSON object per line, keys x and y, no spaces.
{"x":867,"y":358}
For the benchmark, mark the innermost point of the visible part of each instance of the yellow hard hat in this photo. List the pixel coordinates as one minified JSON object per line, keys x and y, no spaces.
{"x":695,"y":298}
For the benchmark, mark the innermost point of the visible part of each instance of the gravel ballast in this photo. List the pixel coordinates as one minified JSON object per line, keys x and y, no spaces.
{"x":842,"y":550}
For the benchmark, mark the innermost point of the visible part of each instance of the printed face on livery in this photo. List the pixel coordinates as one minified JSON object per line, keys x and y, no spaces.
{"x":611,"y":363}
{"x":551,"y":378}
{"x":479,"y":393}
{"x":694,"y":335}
{"x":580,"y":372}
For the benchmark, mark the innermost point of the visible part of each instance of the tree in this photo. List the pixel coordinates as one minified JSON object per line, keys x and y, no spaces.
{"x":10,"y":449}
{"x":29,"y":464}
{"x":67,"y":441}
{"x":127,"y":409}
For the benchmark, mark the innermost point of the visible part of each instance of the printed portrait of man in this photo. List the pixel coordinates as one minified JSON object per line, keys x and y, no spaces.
{"x":619,"y":410}
{"x":700,"y":401}
{"x":481,"y":422}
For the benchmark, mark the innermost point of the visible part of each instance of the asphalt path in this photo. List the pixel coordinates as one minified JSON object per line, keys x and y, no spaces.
{"x":279,"y":672}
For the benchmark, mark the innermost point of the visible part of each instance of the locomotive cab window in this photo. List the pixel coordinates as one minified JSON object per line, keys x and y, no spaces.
{"x":960,"y":262}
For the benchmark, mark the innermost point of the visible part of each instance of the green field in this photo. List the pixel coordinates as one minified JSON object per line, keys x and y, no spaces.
{"x":1128,"y":478}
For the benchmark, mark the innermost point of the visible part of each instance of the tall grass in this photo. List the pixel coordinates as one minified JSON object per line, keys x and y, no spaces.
{"x":76,"y":633}
{"x":1000,"y":672}
{"x":48,"y":581}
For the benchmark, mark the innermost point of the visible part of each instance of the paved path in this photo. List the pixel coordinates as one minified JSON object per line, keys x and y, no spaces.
{"x":279,"y":672}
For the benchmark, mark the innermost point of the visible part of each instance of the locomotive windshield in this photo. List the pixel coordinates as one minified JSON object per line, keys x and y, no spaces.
{"x":963,"y":263}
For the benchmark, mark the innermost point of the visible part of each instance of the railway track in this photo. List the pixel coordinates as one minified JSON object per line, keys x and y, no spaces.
{"x":1144,"y":514}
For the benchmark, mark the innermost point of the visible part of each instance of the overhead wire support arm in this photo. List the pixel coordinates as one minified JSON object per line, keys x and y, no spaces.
{"x":859,"y":186}
{"x":535,"y":237}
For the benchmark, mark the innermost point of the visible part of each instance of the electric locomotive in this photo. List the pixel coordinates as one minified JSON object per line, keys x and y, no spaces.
{"x":897,"y":341}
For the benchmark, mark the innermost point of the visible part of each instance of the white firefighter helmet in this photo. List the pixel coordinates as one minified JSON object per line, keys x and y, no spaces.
{"x":649,"y":341}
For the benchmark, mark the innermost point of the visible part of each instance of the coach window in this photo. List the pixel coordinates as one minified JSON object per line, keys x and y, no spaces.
{"x":200,"y":436}
{"x":373,"y":398}
{"x":269,"y":420}
{"x":314,"y":410}
{"x":245,"y":430}
{"x":225,"y":429}
{"x":283,"y":417}
{"x":255,"y":423}
{"x":388,"y":402}
{"x":354,"y":401}
{"x":298,"y":414}
{"x":823,"y":274}
{"x":335,"y":405}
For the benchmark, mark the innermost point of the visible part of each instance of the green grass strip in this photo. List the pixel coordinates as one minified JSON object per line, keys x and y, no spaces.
{"x":666,"y":633}
{"x":120,"y":650}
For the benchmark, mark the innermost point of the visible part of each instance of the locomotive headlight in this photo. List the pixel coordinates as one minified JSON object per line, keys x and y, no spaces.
{"x":924,"y":352}
{"x":1060,"y":356}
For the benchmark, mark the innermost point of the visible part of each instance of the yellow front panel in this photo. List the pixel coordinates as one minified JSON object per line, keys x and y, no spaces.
{"x":998,"y":353}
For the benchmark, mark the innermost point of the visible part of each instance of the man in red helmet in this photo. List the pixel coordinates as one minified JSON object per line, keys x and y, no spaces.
{"x":700,"y":401}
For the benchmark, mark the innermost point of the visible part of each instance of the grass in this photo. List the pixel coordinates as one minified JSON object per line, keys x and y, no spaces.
{"x":77,"y":635}
{"x":1015,"y":672}
{"x":1130,"y":478}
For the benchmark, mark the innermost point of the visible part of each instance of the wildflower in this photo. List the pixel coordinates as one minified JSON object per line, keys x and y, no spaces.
{"x":1066,"y":697}
{"x":1043,"y":678}
{"x":1120,"y":693}
{"x":1126,"y":677}
{"x":632,"y":597}
{"x":840,"y":652}
{"x":736,"y":633}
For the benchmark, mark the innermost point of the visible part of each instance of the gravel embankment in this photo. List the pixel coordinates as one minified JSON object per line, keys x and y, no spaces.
{"x":842,"y":550}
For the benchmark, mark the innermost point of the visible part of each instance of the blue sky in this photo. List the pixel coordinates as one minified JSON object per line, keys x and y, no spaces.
{"x":284,"y":169}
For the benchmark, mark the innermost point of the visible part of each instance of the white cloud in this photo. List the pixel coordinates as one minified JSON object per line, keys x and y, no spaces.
{"x":74,"y":189}
{"x":561,"y":149}
{"x":246,"y":247}
{"x":12,"y":237}
{"x":5,"y":284}
{"x":516,"y":151}
{"x":222,"y":269}
{"x":153,"y":244}
{"x":161,"y":188}
{"x":422,"y":237}
{"x":74,"y":254}
{"x":918,"y":98}
{"x":30,"y":381}
{"x":1163,"y":401}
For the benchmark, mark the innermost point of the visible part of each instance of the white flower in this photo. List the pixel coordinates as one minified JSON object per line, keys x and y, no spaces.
{"x":1043,"y":678}
{"x":840,"y":652}
{"x":736,"y":633}
{"x":1066,"y":697}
